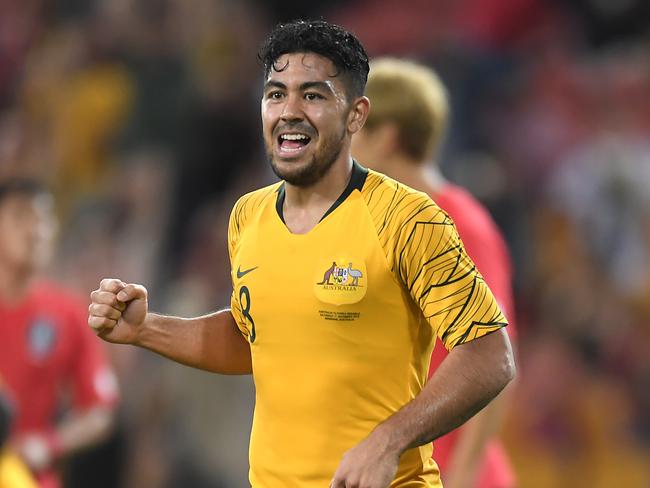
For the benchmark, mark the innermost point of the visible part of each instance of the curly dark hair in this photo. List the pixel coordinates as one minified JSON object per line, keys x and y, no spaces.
{"x":320,"y":37}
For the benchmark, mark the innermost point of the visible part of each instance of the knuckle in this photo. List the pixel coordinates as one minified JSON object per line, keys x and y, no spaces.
{"x":105,"y":297}
{"x":107,"y":323}
{"x":93,"y":323}
{"x":109,"y":311}
{"x":110,"y":284}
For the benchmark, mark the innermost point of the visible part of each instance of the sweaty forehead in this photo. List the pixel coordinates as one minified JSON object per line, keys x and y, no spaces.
{"x":307,"y":64}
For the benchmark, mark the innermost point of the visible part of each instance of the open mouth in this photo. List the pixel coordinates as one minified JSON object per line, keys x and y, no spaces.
{"x":293,"y":144}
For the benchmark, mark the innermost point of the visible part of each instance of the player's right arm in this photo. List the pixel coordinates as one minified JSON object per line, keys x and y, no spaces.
{"x":118,"y":313}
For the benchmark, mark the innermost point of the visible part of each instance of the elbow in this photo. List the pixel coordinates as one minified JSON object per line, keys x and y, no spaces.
{"x":503,"y":366}
{"x":508,"y":367}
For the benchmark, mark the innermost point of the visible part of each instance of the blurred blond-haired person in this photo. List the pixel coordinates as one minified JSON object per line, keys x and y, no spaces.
{"x":400,"y":139}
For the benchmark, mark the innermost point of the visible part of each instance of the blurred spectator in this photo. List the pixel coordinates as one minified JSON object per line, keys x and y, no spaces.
{"x":77,"y":94}
{"x":401,"y":138}
{"x":50,"y":361}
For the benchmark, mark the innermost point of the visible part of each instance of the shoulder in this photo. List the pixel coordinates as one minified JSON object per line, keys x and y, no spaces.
{"x":392,"y":203}
{"x":248,"y":204}
{"x":471,"y":217}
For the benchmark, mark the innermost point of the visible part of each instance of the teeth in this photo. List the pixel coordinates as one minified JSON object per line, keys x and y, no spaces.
{"x":294,"y":137}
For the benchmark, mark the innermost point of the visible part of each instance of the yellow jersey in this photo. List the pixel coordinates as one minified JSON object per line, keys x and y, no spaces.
{"x":341,"y":322}
{"x":13,"y":472}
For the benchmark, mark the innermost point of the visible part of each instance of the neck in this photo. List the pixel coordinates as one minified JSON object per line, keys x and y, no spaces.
{"x":423,"y":176}
{"x":305,"y":206}
{"x":14,"y":283}
{"x":327,"y":189}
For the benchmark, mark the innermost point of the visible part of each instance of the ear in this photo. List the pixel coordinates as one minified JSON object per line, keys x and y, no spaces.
{"x":358,"y":114}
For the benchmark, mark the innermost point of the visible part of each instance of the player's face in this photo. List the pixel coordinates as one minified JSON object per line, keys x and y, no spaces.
{"x":305,"y":117}
{"x":26,"y":231}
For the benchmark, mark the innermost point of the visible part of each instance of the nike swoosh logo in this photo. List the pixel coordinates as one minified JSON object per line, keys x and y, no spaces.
{"x":241,"y":274}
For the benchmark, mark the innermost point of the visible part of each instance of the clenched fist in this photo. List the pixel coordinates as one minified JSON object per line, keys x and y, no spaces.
{"x":370,"y":464}
{"x":117,"y":311}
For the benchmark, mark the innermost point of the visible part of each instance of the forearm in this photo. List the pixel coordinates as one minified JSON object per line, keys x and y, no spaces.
{"x":466,"y":381}
{"x":83,"y":430}
{"x":211,"y":342}
{"x":40,"y":449}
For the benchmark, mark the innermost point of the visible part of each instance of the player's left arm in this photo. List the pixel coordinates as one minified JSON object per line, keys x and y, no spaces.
{"x":457,"y":303}
{"x":467,"y":380}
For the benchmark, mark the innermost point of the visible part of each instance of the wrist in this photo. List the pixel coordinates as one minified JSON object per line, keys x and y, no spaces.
{"x":391,"y":438}
{"x":40,"y":450}
{"x":142,"y":332}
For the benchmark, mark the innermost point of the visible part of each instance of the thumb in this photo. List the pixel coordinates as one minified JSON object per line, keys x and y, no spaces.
{"x":132,"y":292}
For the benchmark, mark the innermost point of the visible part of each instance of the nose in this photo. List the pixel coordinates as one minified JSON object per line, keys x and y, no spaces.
{"x":292,"y":109}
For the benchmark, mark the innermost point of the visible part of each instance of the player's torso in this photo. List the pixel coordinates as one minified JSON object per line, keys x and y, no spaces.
{"x":335,"y":341}
{"x":35,"y":350}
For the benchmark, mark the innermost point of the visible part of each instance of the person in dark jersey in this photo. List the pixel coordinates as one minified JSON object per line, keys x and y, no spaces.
{"x":401,"y":138}
{"x":47,"y":351}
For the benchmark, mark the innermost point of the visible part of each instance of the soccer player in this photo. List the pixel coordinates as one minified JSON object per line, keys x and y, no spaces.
{"x":47,"y":351}
{"x":339,"y":363}
{"x":400,"y":138}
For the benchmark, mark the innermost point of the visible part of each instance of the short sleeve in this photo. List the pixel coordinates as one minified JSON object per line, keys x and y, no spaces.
{"x":442,"y":280}
{"x":486,"y":247}
{"x":236,"y":311}
{"x":234,"y":226}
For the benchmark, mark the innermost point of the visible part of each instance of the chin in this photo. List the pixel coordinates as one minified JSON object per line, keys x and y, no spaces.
{"x":297,"y":173}
{"x":297,"y":176}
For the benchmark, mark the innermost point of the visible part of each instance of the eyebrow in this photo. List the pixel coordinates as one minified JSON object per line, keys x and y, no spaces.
{"x":319,"y":85}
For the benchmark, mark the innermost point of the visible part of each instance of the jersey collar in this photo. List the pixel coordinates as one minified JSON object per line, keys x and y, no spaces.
{"x":357,"y":180}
